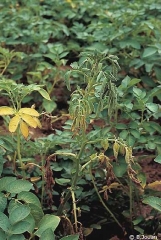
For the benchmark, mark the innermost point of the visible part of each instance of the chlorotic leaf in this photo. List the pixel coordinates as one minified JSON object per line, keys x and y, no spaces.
{"x":24,"y":129}
{"x":29,"y":111}
{"x":14,"y":123}
{"x":29,"y":120}
{"x":6,"y":111}
{"x":155,"y":185}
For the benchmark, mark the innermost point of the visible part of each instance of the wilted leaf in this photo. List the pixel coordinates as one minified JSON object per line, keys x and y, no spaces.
{"x":155,"y":185}
{"x":24,"y":129}
{"x":29,"y":111}
{"x":13,"y":124}
{"x":6,"y":111}
{"x":29,"y":120}
{"x":38,"y":122}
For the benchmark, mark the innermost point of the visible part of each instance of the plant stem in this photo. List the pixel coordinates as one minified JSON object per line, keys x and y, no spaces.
{"x":74,"y":180}
{"x":131,"y":198}
{"x":101,"y":200}
{"x":43,"y":179}
{"x":74,"y":210}
{"x":19,"y":151}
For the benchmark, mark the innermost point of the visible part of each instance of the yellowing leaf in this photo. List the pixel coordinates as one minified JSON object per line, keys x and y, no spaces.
{"x":35,"y":179}
{"x":24,"y":129}
{"x":14,"y":123}
{"x":155,"y":185}
{"x":38,"y":122}
{"x":29,"y":120}
{"x":29,"y":111}
{"x":6,"y":111}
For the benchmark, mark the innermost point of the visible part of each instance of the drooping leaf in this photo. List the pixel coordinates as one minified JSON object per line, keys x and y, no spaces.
{"x":13,"y":124}
{"x":154,"y":185}
{"x":24,"y":129}
{"x":38,"y":122}
{"x":142,"y":179}
{"x":29,"y":111}
{"x":6,"y":111}
{"x":29,"y":120}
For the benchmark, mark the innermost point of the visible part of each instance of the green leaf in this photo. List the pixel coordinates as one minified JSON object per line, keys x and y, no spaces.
{"x":154,"y":202}
{"x":29,"y":197}
{"x":67,"y":81}
{"x":123,"y":134}
{"x":18,"y":214}
{"x":121,"y":126}
{"x":149,"y":51}
{"x":3,"y":202}
{"x":133,"y":81}
{"x":44,"y":94}
{"x":49,"y":106}
{"x":5,"y":181}
{"x":36,"y":212}
{"x":48,"y":221}
{"x":130,"y":140}
{"x":119,"y":169}
{"x":158,"y":159}
{"x":71,"y":237}
{"x":19,"y":186}
{"x":62,"y":181}
{"x":47,"y":235}
{"x":135,"y":133}
{"x":16,"y":237}
{"x":142,"y":178}
{"x":20,"y":227}
{"x":2,"y":234}
{"x":153,"y":107}
{"x":4,"y":222}
{"x":138,"y":92}
{"x":31,"y":222}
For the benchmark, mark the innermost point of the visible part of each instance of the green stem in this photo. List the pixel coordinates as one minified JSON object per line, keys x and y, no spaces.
{"x":74,"y":180}
{"x":101,"y":200}
{"x":19,"y":152}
